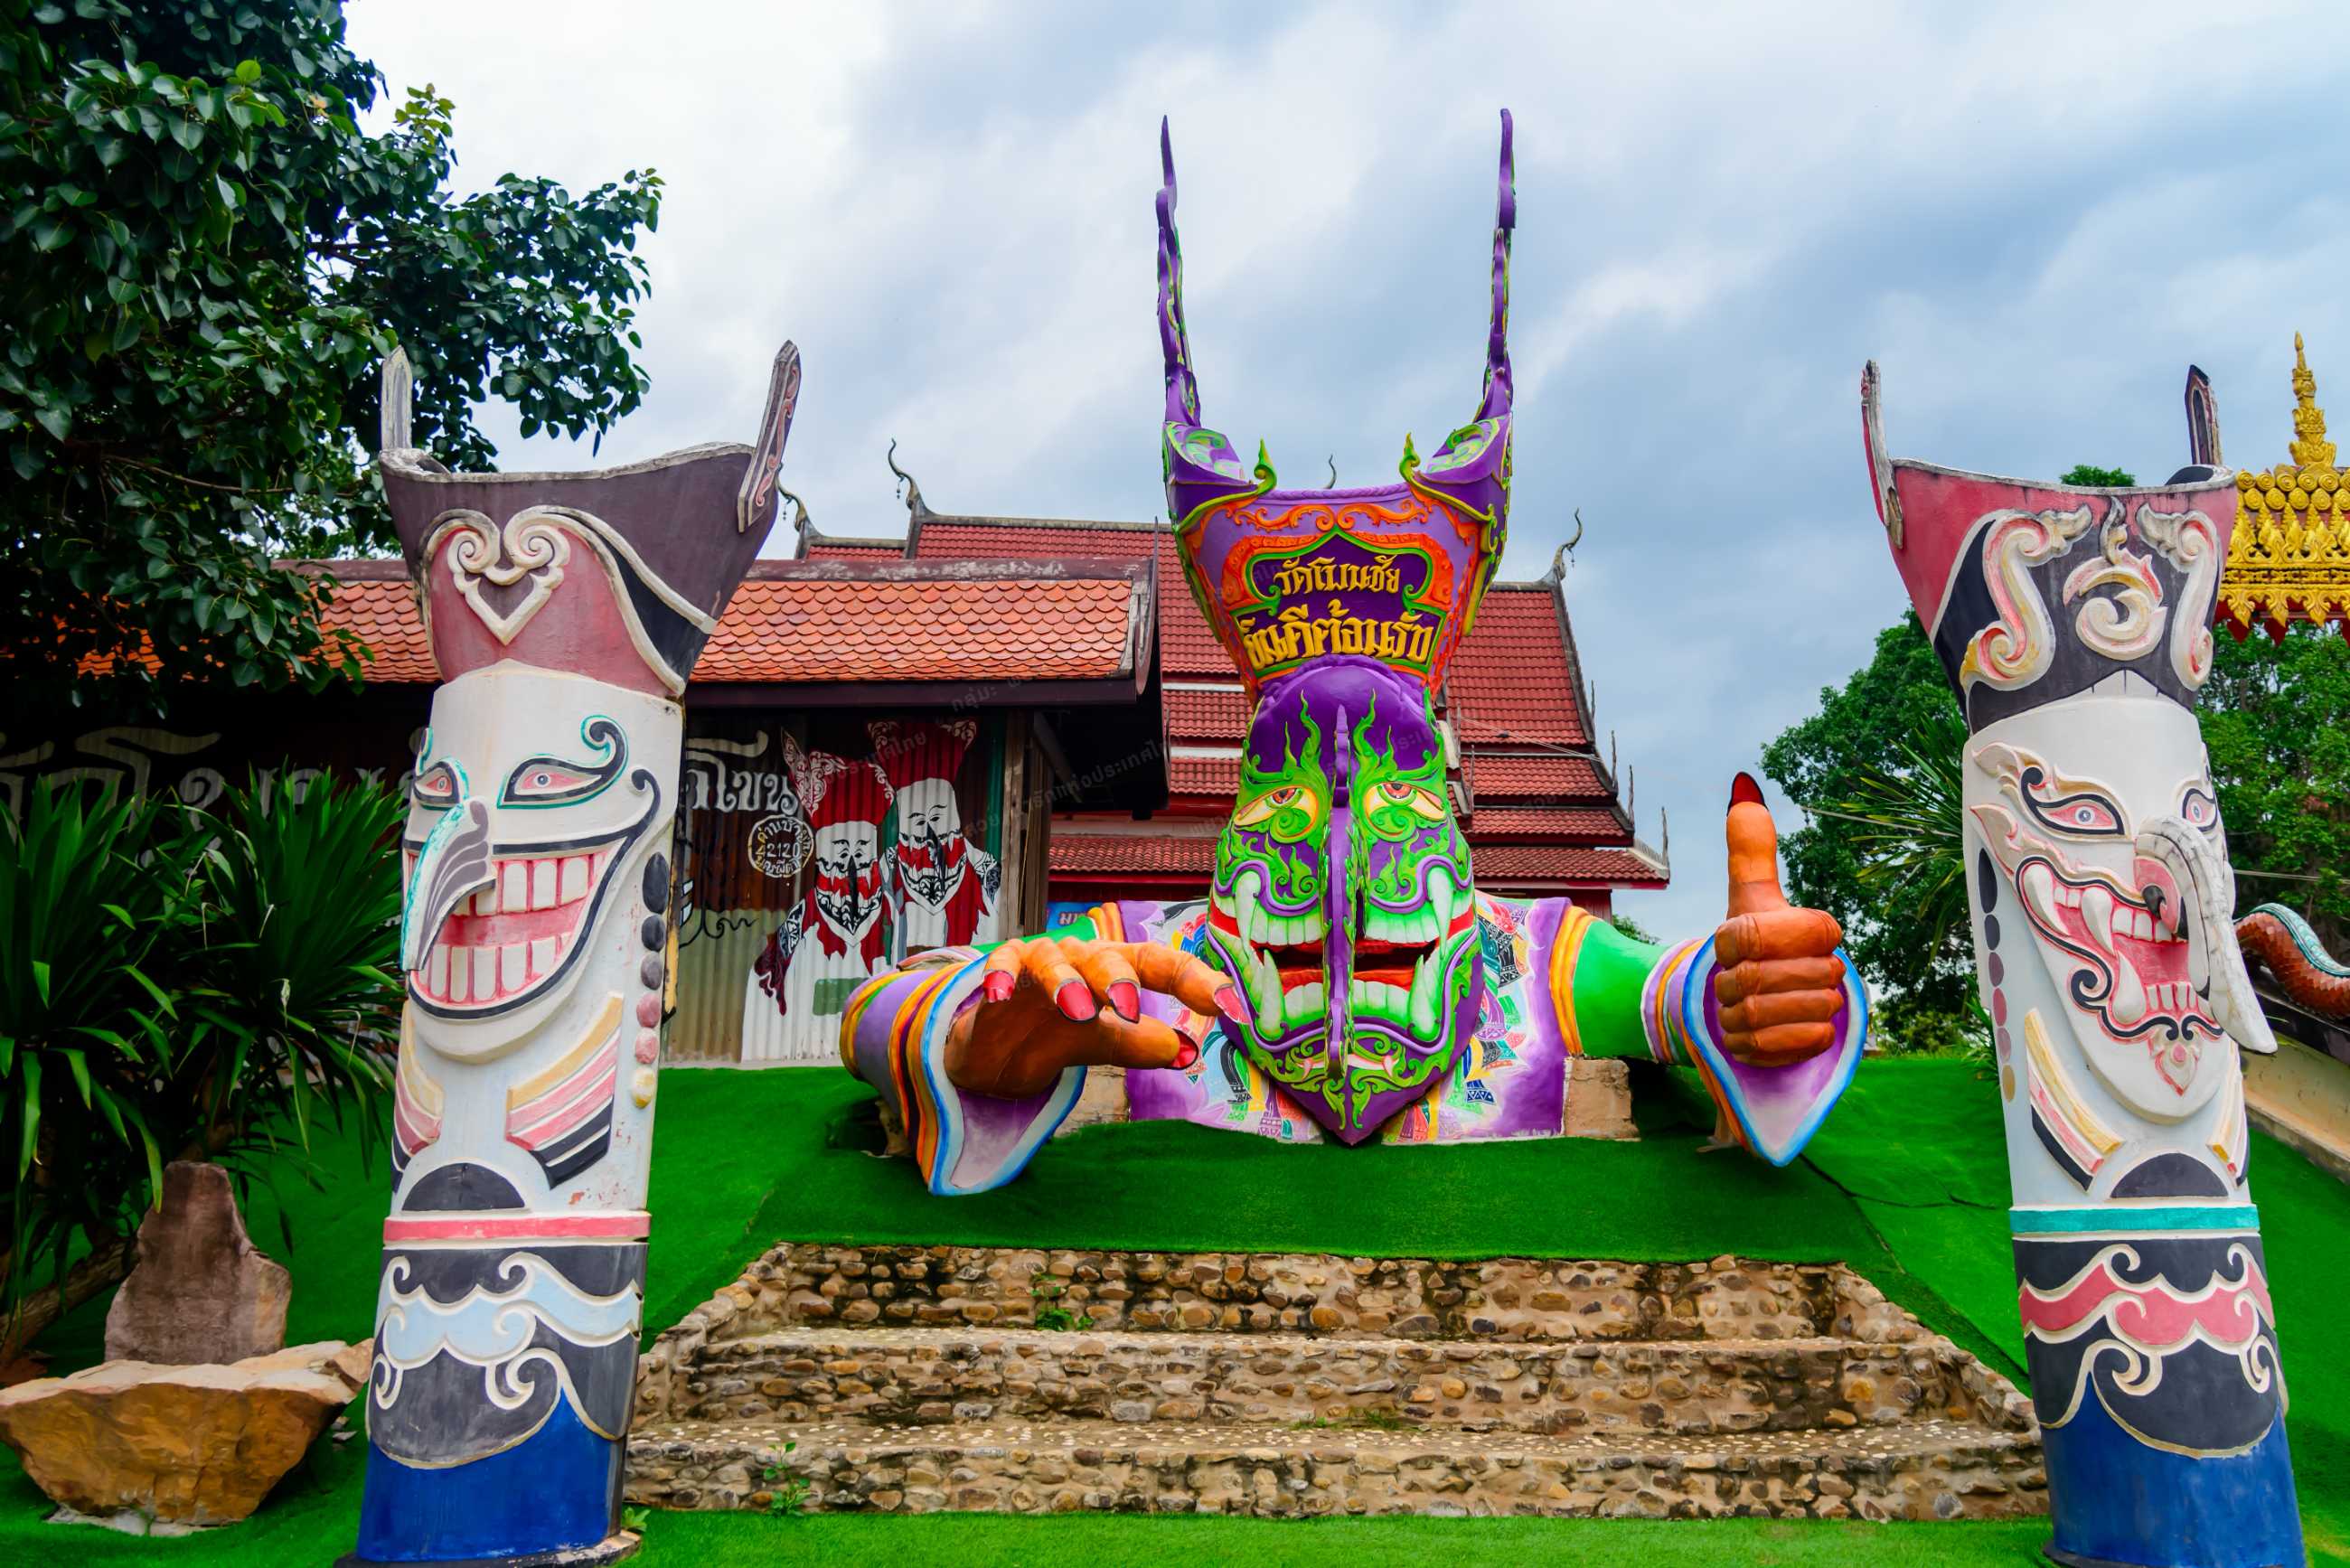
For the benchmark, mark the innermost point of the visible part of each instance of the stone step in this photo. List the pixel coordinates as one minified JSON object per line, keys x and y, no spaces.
{"x":800,"y":1282}
{"x":959,"y":1376}
{"x":1926,"y":1471}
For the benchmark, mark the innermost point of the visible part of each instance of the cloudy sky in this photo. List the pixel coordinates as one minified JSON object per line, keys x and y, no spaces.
{"x":2033,"y":216}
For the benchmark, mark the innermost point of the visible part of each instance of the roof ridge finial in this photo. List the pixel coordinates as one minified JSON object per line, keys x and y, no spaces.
{"x":907,"y":491}
{"x":2309,"y":448}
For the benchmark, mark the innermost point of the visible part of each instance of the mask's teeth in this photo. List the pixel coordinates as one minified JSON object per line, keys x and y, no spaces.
{"x":2129,"y":1002}
{"x":1423,"y":996}
{"x":1308,"y":1003}
{"x":2097,"y":914}
{"x":2038,"y":885}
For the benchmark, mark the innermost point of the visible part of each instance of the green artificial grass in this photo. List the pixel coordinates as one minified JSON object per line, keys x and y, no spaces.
{"x":1907,"y":1183}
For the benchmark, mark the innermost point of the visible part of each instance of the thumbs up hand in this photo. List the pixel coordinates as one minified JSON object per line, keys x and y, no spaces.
{"x":1780,"y":981}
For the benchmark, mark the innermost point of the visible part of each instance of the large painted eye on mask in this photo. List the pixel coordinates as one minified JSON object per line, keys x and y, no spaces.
{"x":1287,"y":812}
{"x":438,"y":787}
{"x":1397,"y":793}
{"x":556,"y":780}
{"x":2198,"y":808}
{"x":2077,"y":812}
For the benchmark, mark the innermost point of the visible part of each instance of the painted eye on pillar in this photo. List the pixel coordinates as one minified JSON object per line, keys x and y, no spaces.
{"x":2080,"y":816}
{"x":552,"y":781}
{"x":2198,"y":809}
{"x":438,"y":787}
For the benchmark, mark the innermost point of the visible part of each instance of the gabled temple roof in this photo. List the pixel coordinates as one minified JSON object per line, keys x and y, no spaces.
{"x":1516,"y":697}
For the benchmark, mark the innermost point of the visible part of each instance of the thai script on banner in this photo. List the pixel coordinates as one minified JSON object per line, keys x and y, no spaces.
{"x":1322,"y":575}
{"x":1295,"y":634}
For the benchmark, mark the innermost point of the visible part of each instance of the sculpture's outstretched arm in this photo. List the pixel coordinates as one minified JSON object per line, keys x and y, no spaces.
{"x":981,"y":1053}
{"x":1765,"y":1010}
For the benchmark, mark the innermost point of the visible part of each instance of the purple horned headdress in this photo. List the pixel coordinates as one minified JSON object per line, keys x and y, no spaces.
{"x":1342,"y":901}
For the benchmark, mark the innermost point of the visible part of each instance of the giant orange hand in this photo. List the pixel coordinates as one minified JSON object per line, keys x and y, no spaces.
{"x":1049,"y":1003}
{"x":1780,"y":981}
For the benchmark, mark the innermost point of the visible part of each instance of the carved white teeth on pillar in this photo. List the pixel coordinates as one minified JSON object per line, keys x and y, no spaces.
{"x":574,"y":878}
{"x":2039,"y":887}
{"x":514,"y":891}
{"x":461,"y":973}
{"x":542,"y":884}
{"x":2097,"y":915}
{"x":485,"y":973}
{"x":436,"y":971}
{"x":542,"y":956}
{"x":513,"y":966}
{"x":2130,"y":1003}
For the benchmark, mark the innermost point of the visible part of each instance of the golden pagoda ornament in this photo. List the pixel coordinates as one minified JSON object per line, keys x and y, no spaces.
{"x":2290,"y":557}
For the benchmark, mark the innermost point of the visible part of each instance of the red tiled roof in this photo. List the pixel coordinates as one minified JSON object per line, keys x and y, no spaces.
{"x":787,"y":625}
{"x":1207,"y":715}
{"x":854,"y":550}
{"x":1001,"y":628}
{"x":1533,"y":778}
{"x":1583,"y":822}
{"x":1503,"y":863}
{"x":1215,"y":776}
{"x":1511,"y":680}
{"x":381,"y":612}
{"x":1186,"y":646}
{"x":1132,"y":854}
{"x":1514,"y":684}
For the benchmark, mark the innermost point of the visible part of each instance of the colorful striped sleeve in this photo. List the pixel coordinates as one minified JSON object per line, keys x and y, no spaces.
{"x":1630,"y":998}
{"x":893,"y":1035}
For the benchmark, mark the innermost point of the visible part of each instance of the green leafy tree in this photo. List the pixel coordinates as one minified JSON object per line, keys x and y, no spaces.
{"x":205,"y":262}
{"x":1872,"y":771}
{"x":2276,"y":723}
{"x":2090,"y":473}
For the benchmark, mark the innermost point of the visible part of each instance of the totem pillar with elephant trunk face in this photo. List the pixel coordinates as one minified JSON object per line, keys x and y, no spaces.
{"x":566,"y":612}
{"x":2075,"y":624}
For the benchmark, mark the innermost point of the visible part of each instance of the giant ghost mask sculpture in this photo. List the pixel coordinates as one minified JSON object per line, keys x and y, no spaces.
{"x":566,"y":612}
{"x":2075,"y":624}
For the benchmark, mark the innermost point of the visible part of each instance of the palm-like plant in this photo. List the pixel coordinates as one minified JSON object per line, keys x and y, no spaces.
{"x":86,"y":894}
{"x":177,"y":985}
{"x":297,"y":912}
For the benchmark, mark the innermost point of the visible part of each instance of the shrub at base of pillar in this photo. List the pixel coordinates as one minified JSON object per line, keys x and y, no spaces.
{"x":566,"y":612}
{"x":2075,"y":624}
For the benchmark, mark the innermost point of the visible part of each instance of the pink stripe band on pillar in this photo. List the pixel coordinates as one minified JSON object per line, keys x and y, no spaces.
{"x":627,"y":1225}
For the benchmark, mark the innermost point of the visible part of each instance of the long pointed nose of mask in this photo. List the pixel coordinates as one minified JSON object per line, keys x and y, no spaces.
{"x":453,"y":865}
{"x":1339,"y":906}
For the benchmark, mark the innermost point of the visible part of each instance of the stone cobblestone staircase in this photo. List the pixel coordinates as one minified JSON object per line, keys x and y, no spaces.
{"x":921,"y":1378}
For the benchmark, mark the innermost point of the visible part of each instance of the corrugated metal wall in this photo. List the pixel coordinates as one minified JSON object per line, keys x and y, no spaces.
{"x":748,"y":848}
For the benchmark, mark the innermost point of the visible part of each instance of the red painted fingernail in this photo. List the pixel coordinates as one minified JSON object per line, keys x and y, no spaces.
{"x":1189,"y":1055}
{"x":1127,"y":999}
{"x":998,"y":985}
{"x":1076,"y":1001}
{"x":1228,"y":1002}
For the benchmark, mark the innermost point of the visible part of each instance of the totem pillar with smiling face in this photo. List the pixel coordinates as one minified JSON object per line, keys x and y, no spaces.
{"x":566,"y":612}
{"x":2075,"y":624}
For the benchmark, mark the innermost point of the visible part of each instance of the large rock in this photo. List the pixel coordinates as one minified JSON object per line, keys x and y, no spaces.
{"x":185,"y":1445}
{"x":200,"y":1292}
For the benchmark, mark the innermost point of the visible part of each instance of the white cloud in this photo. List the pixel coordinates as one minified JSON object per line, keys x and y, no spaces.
{"x":2033,"y":215}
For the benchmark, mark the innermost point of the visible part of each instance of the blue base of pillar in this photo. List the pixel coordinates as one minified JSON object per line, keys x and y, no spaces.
{"x":552,"y":1499}
{"x":2118,"y":1503}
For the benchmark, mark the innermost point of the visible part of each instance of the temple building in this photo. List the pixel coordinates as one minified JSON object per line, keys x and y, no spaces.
{"x":2290,"y":558}
{"x":895,"y":743}
{"x":1540,"y":805}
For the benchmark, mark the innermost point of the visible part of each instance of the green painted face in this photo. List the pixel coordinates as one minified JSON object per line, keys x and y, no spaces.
{"x":1343,"y":898}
